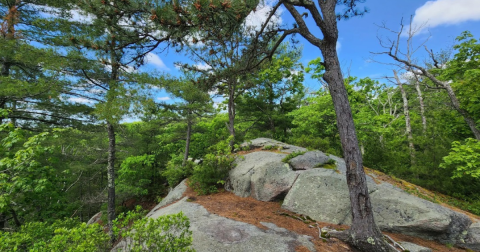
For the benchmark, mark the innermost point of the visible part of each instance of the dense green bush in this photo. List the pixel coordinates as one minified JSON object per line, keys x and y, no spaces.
{"x":465,"y":158}
{"x":62,"y":235}
{"x":176,"y":172}
{"x":214,"y":170}
{"x":168,"y":233}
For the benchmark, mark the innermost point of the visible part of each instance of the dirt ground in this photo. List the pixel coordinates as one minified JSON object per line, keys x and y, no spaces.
{"x":252,"y":211}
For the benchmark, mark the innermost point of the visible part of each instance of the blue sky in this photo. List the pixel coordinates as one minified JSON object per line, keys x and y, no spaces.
{"x":444,"y":20}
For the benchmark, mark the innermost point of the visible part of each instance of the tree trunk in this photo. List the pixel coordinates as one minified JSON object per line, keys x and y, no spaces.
{"x":231,"y":111}
{"x":422,"y":107}
{"x":111,"y":180}
{"x":408,"y":127}
{"x":364,"y":233}
{"x":187,"y":144}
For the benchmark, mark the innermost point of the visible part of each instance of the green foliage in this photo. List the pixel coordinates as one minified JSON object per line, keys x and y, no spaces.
{"x":167,"y":233}
{"x":27,"y":179}
{"x":464,"y":158}
{"x":135,"y":175}
{"x":316,"y":68}
{"x":61,"y":235}
{"x":214,"y":169}
{"x":292,"y":155}
{"x":330,"y":164}
{"x":176,"y":172}
{"x":270,"y":147}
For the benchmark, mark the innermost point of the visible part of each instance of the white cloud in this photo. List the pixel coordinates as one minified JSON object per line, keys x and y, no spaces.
{"x":256,"y":18}
{"x":203,"y":66}
{"x":81,"y":17}
{"x":446,"y":12}
{"x":339,"y":46}
{"x":165,"y":98}
{"x":80,"y":100}
{"x":155,"y":60}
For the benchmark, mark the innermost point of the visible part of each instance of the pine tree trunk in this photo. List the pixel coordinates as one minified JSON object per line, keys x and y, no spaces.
{"x":406,"y":112}
{"x":187,"y":144}
{"x":422,"y":107}
{"x":111,"y":180}
{"x":364,"y":234}
{"x":231,"y":111}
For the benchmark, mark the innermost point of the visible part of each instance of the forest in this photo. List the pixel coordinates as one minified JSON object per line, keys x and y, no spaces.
{"x":81,"y":130}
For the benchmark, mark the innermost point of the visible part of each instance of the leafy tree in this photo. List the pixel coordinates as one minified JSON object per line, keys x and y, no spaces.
{"x":433,"y":73}
{"x":278,"y":91}
{"x":231,"y":51}
{"x":27,"y":179}
{"x":196,"y":105}
{"x":107,"y":74}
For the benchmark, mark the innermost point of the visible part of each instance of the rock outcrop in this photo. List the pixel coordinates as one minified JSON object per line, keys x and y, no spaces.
{"x":314,"y":184}
{"x":262,"y":175}
{"x":213,"y":233}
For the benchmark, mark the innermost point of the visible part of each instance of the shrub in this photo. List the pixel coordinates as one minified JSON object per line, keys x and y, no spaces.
{"x":175,"y":172}
{"x":62,"y":235}
{"x":168,"y":233}
{"x":465,"y":158}
{"x":214,"y":170}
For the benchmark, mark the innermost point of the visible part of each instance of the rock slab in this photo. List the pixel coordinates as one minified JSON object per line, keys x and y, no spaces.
{"x":261,"y":175}
{"x":213,"y":233}
{"x":172,"y":196}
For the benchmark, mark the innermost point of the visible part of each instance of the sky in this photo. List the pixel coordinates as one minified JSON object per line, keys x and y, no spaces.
{"x":442,"y":22}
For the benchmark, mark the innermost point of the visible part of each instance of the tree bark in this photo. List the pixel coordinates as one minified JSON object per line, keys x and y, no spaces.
{"x":187,"y":144}
{"x":406,"y":112}
{"x":231,"y":110}
{"x":422,"y":107}
{"x":364,"y":233}
{"x":111,"y":180}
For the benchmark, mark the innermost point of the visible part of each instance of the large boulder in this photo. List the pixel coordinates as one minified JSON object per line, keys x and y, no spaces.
{"x":261,"y":175}
{"x":323,"y":195}
{"x":213,"y":233}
